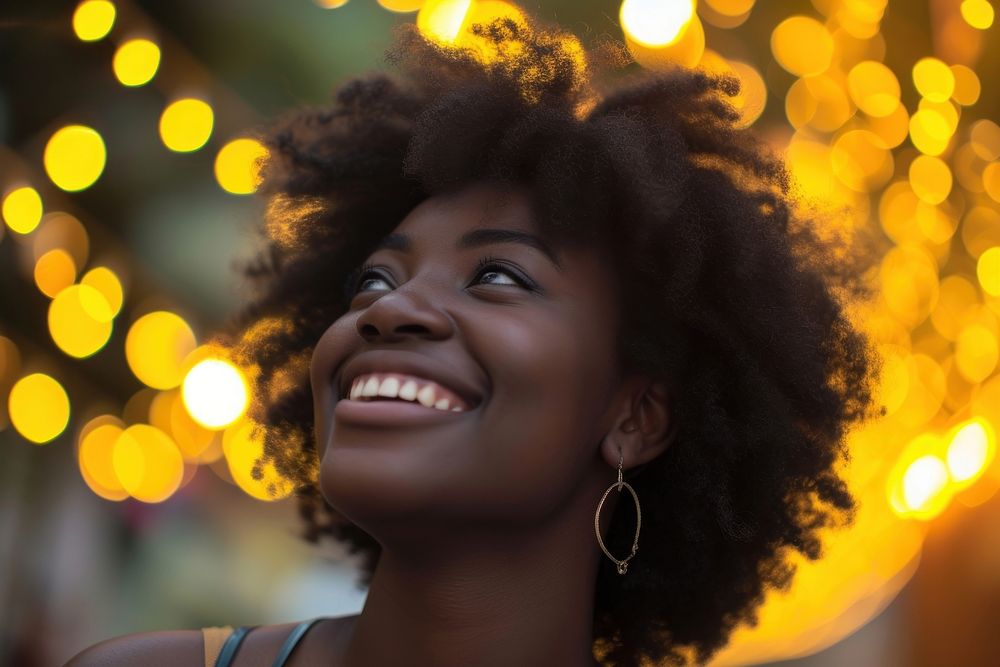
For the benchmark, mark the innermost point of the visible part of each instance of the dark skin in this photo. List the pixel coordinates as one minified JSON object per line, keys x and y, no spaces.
{"x":485,"y":517}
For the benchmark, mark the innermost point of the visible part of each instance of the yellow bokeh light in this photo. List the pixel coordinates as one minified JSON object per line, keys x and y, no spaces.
{"x":686,"y":51}
{"x":22,"y":209}
{"x":861,"y":160}
{"x":94,"y":456}
{"x":820,"y":102}
{"x":933,"y":79}
{"x":984,"y":138}
{"x":147,"y":463}
{"x":237,"y":166}
{"x":976,"y":353}
{"x":107,"y":283}
{"x":401,"y":5}
{"x":930,"y":131}
{"x":977,"y":13}
{"x":874,"y":88}
{"x":441,"y":20}
{"x":38,"y":407}
{"x":136,"y":61}
{"x":242,"y":448}
{"x":956,"y":296}
{"x":74,"y":157}
{"x":93,"y":19}
{"x":155,"y":348}
{"x":802,"y":45}
{"x":731,"y":7}
{"x":330,"y":4}
{"x":991,"y":180}
{"x":930,"y":178}
{"x":988,"y":271}
{"x":967,"y":85}
{"x":186,"y":125}
{"x":63,"y":231}
{"x":655,"y":23}
{"x":923,"y":483}
{"x":215,"y":393}
{"x":54,"y":272}
{"x":980,"y":230}
{"x":80,"y":320}
{"x":970,"y":451}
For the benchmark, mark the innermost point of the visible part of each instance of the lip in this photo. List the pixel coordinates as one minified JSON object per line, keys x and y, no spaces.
{"x":385,"y":361}
{"x":390,"y":413}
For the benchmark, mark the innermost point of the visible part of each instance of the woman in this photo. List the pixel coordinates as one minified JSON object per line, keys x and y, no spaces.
{"x":499,"y":295}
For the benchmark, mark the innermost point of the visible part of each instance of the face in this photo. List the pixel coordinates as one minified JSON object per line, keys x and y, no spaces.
{"x":527,"y":344}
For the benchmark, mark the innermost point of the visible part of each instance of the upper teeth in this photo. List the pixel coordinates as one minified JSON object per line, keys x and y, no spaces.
{"x":431,"y":395}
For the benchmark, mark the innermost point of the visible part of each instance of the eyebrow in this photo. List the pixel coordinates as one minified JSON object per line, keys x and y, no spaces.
{"x":476,"y":238}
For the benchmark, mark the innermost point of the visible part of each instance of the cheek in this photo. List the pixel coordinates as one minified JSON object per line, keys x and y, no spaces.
{"x":327,"y":353}
{"x":551,"y":376}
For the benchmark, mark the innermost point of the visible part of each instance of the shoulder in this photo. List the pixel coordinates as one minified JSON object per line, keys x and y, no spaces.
{"x":168,"y":648}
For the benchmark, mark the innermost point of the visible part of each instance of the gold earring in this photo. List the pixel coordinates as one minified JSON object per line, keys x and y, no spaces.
{"x":622,"y":564}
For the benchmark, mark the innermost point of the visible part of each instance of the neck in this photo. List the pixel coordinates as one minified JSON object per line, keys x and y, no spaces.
{"x":496,"y":599}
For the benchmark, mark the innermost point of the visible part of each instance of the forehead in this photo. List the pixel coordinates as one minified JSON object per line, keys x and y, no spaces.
{"x":478,"y":205}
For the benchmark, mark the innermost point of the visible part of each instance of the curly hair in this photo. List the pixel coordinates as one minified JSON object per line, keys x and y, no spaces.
{"x":731,"y":295}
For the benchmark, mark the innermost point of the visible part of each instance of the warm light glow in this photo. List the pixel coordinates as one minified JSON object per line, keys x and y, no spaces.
{"x":186,"y":125}
{"x":54,"y":272}
{"x":988,"y":271}
{"x":147,"y":463}
{"x":156,"y":346}
{"x":330,"y":4}
{"x":402,"y":6}
{"x":874,"y":88}
{"x":977,"y":13}
{"x":933,"y":79}
{"x":802,"y":45}
{"x":215,"y":393}
{"x":237,"y":166}
{"x":80,"y":320}
{"x":655,"y":23}
{"x":976,"y":352}
{"x":94,"y":456}
{"x":22,"y":209}
{"x":242,"y":449}
{"x":136,"y":61}
{"x":969,"y":452}
{"x":38,"y":407}
{"x":93,"y":19}
{"x":107,"y":283}
{"x":74,"y":157}
{"x":967,"y":85}
{"x":441,"y":20}
{"x":930,"y":178}
{"x":924,"y":479}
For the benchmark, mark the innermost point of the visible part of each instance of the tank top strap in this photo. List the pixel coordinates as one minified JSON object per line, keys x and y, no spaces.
{"x":232,"y":644}
{"x":297,"y":633}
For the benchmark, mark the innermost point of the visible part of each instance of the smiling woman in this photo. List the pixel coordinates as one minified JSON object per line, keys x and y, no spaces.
{"x":608,"y":279}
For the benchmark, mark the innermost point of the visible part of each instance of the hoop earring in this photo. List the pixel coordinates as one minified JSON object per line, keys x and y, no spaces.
{"x":622,"y":564}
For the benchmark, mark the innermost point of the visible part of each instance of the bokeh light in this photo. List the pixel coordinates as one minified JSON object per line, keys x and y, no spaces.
{"x":95,"y":457}
{"x":136,"y":61}
{"x":155,"y":347}
{"x":105,"y":281}
{"x":802,"y":45}
{"x":74,"y":157}
{"x":237,"y":166}
{"x":22,"y":209}
{"x":977,"y":13}
{"x":243,"y":446}
{"x":215,"y":393}
{"x":147,"y":463}
{"x":656,"y":23}
{"x":402,"y":6}
{"x":80,"y":320}
{"x":38,"y":407}
{"x":54,"y":272}
{"x":93,"y":19}
{"x":186,"y":125}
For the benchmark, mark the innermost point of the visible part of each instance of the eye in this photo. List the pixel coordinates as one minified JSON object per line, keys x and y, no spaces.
{"x":486,"y":266}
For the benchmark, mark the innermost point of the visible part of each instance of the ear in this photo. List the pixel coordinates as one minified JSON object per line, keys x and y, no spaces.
{"x":644,"y":426}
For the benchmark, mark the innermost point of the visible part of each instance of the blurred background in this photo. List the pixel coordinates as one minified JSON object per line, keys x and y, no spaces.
{"x":127,"y":179}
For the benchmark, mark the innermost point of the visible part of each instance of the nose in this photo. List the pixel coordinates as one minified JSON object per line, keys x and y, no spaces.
{"x":407,"y":310}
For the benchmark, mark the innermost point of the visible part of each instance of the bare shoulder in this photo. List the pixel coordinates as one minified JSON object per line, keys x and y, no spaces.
{"x":168,"y":648}
{"x":160,"y":648}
